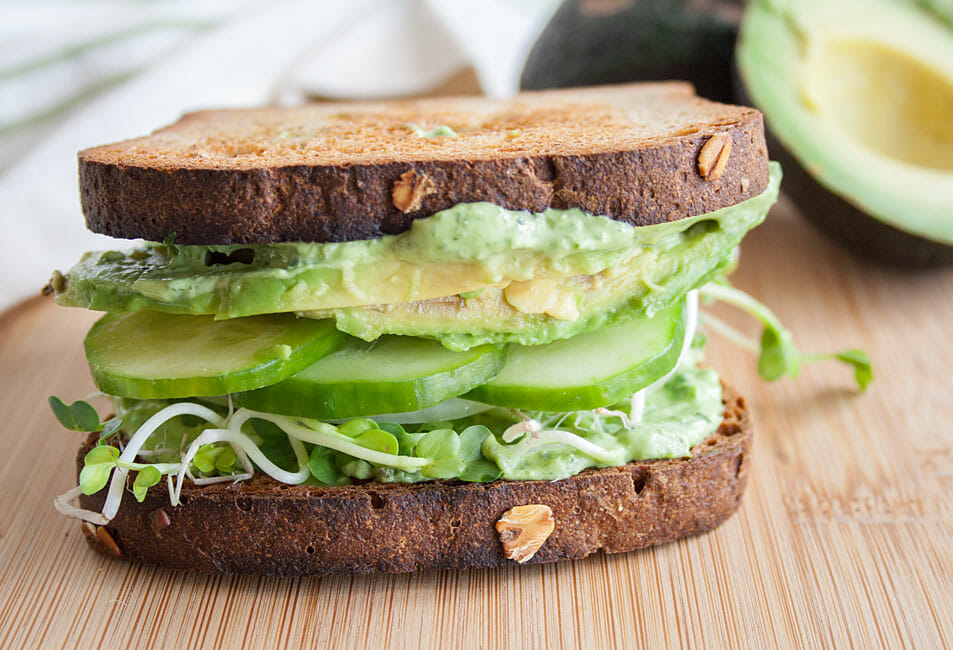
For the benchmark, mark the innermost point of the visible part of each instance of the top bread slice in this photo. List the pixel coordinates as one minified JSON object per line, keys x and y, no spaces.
{"x":351,"y":171}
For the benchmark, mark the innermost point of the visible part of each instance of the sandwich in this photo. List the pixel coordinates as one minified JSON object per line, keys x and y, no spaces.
{"x":404,"y":335}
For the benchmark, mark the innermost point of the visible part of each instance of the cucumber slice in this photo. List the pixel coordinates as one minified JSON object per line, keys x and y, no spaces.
{"x":149,"y":354}
{"x":589,"y":370}
{"x":393,"y":374}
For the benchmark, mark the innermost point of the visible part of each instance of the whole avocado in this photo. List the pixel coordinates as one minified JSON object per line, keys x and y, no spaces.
{"x":858,"y":100}
{"x":591,"y":42}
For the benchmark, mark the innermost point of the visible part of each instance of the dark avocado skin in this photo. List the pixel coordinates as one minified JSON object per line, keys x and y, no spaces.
{"x":591,"y":42}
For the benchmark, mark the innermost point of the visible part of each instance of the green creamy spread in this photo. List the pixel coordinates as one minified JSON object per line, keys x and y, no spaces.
{"x":460,"y":250}
{"x":439,"y":131}
{"x":678,"y":415}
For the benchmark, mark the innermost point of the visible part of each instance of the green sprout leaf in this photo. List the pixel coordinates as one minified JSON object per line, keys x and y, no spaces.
{"x":97,"y":467}
{"x":444,"y":468}
{"x":378,"y":440}
{"x":205,"y":458}
{"x":442,"y":446}
{"x":78,"y":416}
{"x":406,"y":442}
{"x":779,"y":355}
{"x":863,"y":370}
{"x":226,"y":460}
{"x":437,"y":444}
{"x":110,"y":427}
{"x":477,"y":468}
{"x":357,"y":426}
{"x":145,"y":479}
{"x":322,"y":466}
{"x":359,"y":469}
{"x":274,"y":444}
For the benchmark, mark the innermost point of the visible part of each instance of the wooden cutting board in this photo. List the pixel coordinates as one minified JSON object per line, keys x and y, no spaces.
{"x":843,"y":539}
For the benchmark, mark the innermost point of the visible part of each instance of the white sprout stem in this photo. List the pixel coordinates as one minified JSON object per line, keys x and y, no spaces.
{"x":211,"y":480}
{"x":246,"y":444}
{"x":724,"y":329}
{"x":64,"y":506}
{"x":637,"y":407}
{"x":328,"y":437}
{"x":149,"y":426}
{"x":146,"y":453}
{"x":691,"y":324}
{"x":529,"y":426}
{"x":164,"y":468}
{"x":590,"y":449}
{"x":741,"y":300}
{"x":118,"y":482}
{"x":622,"y":415}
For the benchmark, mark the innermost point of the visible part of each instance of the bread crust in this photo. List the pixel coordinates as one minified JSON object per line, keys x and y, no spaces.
{"x":628,"y":152}
{"x":263,"y":527}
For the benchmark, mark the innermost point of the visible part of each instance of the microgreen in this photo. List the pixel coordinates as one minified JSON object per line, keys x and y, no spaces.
{"x":205,"y":458}
{"x":779,"y":355}
{"x":406,"y":442}
{"x":97,"y":467}
{"x":359,"y":469}
{"x":378,"y":440}
{"x":146,"y":478}
{"x":322,"y":466}
{"x":355,"y":427}
{"x":110,"y":427}
{"x":78,"y":416}
{"x":477,"y":468}
{"x":439,"y":443}
{"x":442,"y":446}
{"x":274,"y":444}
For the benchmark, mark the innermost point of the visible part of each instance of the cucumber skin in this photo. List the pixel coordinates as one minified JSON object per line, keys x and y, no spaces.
{"x":264,"y":374}
{"x":589,"y":396}
{"x":358,"y":399}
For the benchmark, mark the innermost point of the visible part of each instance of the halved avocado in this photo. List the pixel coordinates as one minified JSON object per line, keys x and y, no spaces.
{"x":860,"y":95}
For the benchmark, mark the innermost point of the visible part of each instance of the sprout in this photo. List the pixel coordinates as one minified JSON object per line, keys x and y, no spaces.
{"x":779,"y":356}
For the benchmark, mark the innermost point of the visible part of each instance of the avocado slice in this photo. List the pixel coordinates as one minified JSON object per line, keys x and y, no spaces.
{"x":591,"y":42}
{"x":859,"y":94}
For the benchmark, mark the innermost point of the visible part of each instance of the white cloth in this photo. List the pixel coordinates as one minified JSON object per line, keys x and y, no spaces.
{"x":81,"y":73}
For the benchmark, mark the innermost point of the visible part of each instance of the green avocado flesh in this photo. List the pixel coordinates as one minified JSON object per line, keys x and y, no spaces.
{"x":860,"y":92}
{"x":611,"y":270}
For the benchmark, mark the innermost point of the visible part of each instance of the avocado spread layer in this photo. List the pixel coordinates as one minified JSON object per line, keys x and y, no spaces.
{"x":505,"y":275}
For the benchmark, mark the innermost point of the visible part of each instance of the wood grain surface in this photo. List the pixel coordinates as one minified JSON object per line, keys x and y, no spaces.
{"x":844,"y":539}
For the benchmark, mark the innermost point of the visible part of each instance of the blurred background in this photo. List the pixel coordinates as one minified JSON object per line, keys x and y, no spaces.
{"x":834,"y":79}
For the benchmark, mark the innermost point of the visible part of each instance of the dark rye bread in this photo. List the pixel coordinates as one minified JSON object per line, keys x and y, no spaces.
{"x":263,"y":527}
{"x":326,"y":172}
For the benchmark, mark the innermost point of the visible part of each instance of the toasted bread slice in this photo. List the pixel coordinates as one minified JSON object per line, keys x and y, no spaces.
{"x":263,"y":527}
{"x":340,"y":172}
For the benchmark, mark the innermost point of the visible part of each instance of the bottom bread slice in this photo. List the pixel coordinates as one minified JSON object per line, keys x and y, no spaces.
{"x":261,"y":526}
